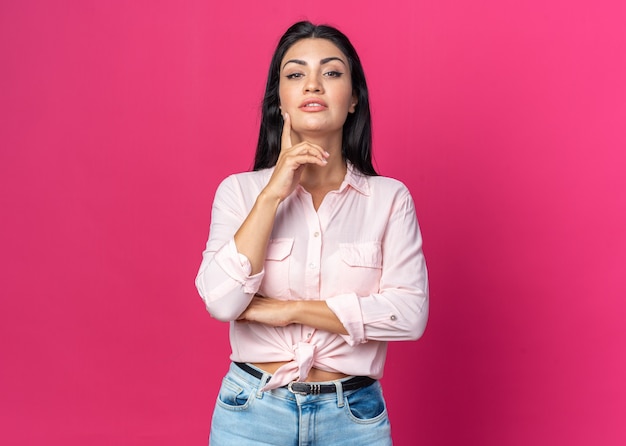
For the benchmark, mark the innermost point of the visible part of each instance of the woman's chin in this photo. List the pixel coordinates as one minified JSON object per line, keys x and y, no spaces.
{"x":313,"y":126}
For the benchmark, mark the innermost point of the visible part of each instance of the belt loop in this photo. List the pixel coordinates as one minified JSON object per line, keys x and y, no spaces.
{"x":339,"y":387}
{"x":264,"y":379}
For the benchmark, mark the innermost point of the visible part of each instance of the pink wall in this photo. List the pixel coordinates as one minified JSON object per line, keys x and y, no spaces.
{"x":505,"y":119}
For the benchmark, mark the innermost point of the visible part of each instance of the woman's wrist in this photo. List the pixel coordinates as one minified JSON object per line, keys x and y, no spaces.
{"x":267,"y":199}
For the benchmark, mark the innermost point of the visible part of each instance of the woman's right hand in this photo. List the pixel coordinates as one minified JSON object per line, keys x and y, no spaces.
{"x":291,"y":163}
{"x":252,"y":236}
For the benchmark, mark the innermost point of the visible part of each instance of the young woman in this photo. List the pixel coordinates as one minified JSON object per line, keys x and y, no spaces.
{"x":314,"y":259}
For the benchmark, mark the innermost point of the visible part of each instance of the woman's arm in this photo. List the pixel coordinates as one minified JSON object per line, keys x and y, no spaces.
{"x":399,"y":310}
{"x":279,"y":313}
{"x":252,"y":237}
{"x":232,"y":266}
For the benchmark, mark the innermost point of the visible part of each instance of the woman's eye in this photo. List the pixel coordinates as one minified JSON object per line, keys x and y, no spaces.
{"x":333,"y":74}
{"x":294,"y":76}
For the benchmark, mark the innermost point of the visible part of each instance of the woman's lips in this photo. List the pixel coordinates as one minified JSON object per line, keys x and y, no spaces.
{"x":313,"y":105}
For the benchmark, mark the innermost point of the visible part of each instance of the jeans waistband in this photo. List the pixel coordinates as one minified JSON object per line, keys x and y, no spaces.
{"x":305,"y":388}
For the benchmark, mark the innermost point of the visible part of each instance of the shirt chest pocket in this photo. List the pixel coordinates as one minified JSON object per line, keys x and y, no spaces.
{"x":277,"y":259}
{"x":361,"y":266}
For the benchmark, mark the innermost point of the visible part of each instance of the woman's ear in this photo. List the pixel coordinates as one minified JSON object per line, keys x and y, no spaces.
{"x":354,"y":103}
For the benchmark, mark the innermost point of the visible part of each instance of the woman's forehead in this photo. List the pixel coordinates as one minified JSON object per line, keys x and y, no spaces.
{"x":314,"y":49}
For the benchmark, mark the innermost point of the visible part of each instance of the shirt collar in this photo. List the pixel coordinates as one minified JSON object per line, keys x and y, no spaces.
{"x":356,"y":180}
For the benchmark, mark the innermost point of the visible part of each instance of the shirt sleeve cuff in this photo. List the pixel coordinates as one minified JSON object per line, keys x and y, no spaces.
{"x":348,"y":309}
{"x":238,"y":267}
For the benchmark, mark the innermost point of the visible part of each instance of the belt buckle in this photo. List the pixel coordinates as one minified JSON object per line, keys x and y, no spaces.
{"x":295,"y":392}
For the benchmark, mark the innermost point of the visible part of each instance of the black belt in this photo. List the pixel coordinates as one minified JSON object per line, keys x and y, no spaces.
{"x":301,"y":388}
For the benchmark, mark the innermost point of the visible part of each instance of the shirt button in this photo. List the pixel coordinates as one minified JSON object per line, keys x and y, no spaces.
{"x":316,"y":234}
{"x":393,"y":317}
{"x":308,"y":335}
{"x":312,"y":265}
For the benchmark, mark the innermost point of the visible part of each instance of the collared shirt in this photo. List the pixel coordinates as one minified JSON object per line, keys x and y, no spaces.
{"x":361,"y":252}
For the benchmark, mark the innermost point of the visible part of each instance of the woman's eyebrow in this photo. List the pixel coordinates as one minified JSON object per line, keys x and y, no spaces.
{"x":322,"y":62}
{"x":330,"y":59}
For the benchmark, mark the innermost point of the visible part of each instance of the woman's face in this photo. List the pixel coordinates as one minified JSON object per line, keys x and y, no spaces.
{"x":315,"y":87}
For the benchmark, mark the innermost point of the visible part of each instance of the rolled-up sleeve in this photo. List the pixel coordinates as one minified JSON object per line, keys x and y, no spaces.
{"x":224,"y":281}
{"x":399,"y":311}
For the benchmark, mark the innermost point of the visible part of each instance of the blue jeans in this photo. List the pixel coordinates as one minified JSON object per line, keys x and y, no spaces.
{"x":245,"y":416}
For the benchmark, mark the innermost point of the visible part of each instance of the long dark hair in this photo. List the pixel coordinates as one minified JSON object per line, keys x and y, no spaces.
{"x":357,"y":130}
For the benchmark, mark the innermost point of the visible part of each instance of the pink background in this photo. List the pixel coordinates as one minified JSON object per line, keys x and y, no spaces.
{"x":505,"y":118}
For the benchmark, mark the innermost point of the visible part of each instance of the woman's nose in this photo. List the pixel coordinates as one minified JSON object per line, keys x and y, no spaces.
{"x":313,"y":85}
